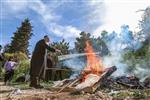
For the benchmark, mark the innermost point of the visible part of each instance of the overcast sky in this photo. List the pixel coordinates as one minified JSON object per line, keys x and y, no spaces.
{"x":65,"y":19}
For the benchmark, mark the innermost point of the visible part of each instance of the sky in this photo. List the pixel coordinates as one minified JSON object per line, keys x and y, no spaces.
{"x":65,"y":19}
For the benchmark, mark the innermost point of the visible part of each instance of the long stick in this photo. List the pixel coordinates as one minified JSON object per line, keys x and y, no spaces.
{"x":70,"y":83}
{"x":64,"y":87}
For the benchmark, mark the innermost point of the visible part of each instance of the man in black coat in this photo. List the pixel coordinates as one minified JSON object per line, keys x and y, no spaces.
{"x":37,"y":61}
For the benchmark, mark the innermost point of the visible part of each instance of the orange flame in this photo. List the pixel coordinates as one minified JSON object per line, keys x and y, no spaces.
{"x":94,"y":64}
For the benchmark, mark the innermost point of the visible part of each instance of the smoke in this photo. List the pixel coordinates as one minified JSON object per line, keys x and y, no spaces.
{"x":121,"y":43}
{"x":76,"y":64}
{"x":141,"y":73}
{"x":118,"y":44}
{"x":115,"y":59}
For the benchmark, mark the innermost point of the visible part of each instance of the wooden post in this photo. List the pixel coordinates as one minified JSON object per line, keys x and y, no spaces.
{"x":45,"y":64}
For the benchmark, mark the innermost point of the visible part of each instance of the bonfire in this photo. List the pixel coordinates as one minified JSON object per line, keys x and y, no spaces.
{"x":93,"y":70}
{"x":91,"y":76}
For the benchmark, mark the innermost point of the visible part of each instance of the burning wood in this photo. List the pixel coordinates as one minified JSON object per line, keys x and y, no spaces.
{"x":93,"y":71}
{"x":90,"y":84}
{"x":92,"y":75}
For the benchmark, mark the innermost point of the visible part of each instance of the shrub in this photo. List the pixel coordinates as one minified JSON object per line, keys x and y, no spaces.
{"x":22,"y":69}
{"x":18,"y":56}
{"x":1,"y":70}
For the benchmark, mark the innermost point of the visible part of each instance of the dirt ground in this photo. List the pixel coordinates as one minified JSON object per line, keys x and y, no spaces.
{"x":4,"y":91}
{"x":22,"y":91}
{"x":11,"y":93}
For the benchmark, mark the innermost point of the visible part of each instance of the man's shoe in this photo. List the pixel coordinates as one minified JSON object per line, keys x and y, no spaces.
{"x":40,"y":86}
{"x":36,"y":86}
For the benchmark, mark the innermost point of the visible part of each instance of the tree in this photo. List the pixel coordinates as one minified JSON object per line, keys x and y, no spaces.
{"x":141,"y":57}
{"x":20,"y":40}
{"x":144,"y":33}
{"x":80,"y":41}
{"x":63,"y":46}
{"x":6,"y":48}
{"x":99,"y":45}
{"x":104,"y":33}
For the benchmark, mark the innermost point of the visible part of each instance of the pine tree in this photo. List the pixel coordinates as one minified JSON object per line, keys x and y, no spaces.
{"x":20,"y":40}
{"x":80,"y":41}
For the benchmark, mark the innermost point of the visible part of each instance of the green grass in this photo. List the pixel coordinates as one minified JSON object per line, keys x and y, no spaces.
{"x":24,"y":86}
{"x":133,"y":93}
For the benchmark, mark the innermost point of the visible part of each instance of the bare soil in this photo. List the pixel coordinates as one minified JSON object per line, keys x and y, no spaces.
{"x":10,"y":93}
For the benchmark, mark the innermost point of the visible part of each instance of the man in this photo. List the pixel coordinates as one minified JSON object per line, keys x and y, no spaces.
{"x":37,"y":61}
{"x":1,"y":56}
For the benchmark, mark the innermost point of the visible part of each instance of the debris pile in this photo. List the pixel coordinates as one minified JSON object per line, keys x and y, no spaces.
{"x":124,"y":82}
{"x":77,"y":85}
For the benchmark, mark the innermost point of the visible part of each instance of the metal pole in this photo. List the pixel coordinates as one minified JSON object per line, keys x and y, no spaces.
{"x":45,"y":63}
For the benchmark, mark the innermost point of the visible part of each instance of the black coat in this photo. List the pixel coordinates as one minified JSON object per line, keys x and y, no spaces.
{"x":38,"y":57}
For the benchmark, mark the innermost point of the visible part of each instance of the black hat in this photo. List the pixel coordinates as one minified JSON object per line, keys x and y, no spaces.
{"x":46,"y":36}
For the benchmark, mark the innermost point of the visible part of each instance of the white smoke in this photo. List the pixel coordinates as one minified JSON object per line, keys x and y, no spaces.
{"x":141,"y":73}
{"x":115,"y":59}
{"x":118,"y":44}
{"x":76,"y":64}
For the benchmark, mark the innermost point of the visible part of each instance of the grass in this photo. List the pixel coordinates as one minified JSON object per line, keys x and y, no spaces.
{"x":133,"y":93}
{"x":21,"y":86}
{"x":24,"y":86}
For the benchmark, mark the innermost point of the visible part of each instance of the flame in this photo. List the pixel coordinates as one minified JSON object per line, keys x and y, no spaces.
{"x":94,"y":63}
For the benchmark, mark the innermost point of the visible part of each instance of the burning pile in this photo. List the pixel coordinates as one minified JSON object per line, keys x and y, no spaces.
{"x":95,"y":76}
{"x":91,"y":76}
{"x":94,"y":69}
